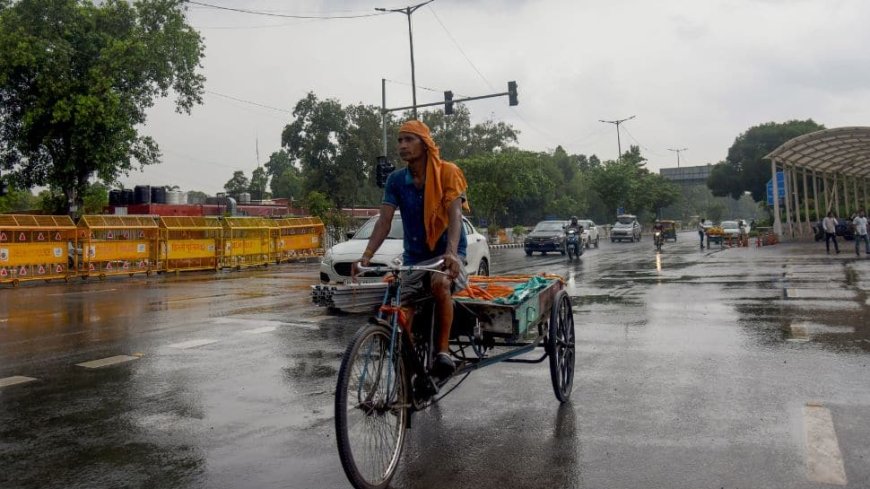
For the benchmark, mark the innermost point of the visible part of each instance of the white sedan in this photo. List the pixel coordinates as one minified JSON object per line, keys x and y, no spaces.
{"x":590,"y":232}
{"x":732,"y":229}
{"x":337,"y":261}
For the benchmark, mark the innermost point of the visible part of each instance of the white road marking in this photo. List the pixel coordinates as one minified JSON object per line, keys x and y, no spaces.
{"x":800,"y":333}
{"x":105,"y":362}
{"x":824,"y":459}
{"x":303,"y":325}
{"x":264,"y":329}
{"x":191,"y":344}
{"x":831,"y":293}
{"x":15,"y":380}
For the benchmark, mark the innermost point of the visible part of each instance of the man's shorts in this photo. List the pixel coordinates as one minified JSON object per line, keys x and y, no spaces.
{"x":417,"y":284}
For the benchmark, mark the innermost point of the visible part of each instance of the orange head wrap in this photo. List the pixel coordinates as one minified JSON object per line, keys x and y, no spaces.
{"x":444,"y":184}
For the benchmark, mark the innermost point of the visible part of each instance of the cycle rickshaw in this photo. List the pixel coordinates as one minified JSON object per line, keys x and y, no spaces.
{"x":384,"y":375}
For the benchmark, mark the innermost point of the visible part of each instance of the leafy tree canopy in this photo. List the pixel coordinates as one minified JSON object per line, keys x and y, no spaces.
{"x":745,"y":168}
{"x":238,"y":184}
{"x":76,"y":80}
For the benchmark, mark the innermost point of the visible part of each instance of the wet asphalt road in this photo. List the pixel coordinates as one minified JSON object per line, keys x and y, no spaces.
{"x":695,"y":369}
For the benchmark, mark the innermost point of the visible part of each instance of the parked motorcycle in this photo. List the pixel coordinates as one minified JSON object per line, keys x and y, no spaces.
{"x":572,"y":244}
{"x":659,"y":240}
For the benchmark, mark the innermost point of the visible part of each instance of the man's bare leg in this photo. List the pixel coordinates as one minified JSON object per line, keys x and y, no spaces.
{"x":444,"y":312}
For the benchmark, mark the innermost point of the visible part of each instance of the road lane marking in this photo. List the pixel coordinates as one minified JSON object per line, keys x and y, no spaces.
{"x":313,"y":326}
{"x":105,"y":362}
{"x":15,"y":380}
{"x":191,"y":344}
{"x":799,"y":333}
{"x":824,"y":459}
{"x":264,"y":329}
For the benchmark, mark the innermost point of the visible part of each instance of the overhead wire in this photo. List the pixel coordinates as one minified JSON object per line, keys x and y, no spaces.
{"x":266,"y":13}
{"x":645,"y":148}
{"x":249,"y":102}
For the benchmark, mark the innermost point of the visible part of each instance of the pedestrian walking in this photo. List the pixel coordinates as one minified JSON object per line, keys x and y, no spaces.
{"x":829,"y":225}
{"x":701,"y":230}
{"x":860,"y":223}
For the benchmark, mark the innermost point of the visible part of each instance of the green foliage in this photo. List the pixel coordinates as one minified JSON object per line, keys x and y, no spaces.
{"x":259,"y":184}
{"x":17,"y":200}
{"x":745,"y":168}
{"x":95,"y":198}
{"x":77,"y":79}
{"x":318,"y":204}
{"x":629,"y":185}
{"x":196,"y":197}
{"x":238,"y":184}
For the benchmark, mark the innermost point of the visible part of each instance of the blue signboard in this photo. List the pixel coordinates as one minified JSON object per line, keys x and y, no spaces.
{"x":780,"y":184}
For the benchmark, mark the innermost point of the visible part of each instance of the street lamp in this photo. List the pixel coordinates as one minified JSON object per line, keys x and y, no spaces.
{"x":618,"y":142}
{"x":408,"y":11}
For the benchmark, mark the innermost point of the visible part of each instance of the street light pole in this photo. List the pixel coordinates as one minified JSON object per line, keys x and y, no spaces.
{"x":618,"y":141}
{"x":408,"y":11}
{"x":678,"y":151}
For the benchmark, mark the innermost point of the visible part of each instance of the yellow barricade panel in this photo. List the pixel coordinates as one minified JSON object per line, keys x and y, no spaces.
{"x":15,"y":254}
{"x":34,"y":247}
{"x":190,"y":248}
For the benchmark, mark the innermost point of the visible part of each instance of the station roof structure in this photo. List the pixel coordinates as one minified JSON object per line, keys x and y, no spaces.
{"x":843,"y":150}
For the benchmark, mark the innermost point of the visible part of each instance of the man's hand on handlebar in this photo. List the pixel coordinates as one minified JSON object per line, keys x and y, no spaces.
{"x":452,"y":265}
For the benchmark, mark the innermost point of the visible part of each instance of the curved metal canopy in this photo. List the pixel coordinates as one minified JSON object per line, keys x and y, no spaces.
{"x":844,"y":150}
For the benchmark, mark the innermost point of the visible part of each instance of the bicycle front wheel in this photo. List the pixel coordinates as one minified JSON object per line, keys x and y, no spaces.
{"x":371,"y":408}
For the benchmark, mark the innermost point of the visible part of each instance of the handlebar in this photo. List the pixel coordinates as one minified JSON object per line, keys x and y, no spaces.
{"x":431,"y":267}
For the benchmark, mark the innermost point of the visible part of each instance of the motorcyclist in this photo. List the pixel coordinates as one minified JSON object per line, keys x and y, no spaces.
{"x":574,"y":225}
{"x":659,"y":228}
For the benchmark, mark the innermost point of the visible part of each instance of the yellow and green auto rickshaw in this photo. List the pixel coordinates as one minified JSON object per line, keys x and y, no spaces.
{"x":669,"y":230}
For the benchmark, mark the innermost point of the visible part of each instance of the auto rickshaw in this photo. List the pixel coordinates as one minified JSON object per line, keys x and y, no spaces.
{"x":669,"y":230}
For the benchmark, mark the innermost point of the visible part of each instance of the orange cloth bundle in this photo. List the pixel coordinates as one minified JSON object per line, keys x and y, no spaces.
{"x":445,"y":183}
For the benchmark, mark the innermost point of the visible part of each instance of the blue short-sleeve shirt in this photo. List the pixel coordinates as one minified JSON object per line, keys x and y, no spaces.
{"x":400,"y":192}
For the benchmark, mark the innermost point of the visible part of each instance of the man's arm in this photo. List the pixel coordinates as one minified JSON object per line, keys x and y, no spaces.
{"x":379,"y":234}
{"x":454,"y":226}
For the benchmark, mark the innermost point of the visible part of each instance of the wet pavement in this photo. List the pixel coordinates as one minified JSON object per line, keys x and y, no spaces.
{"x":734,"y":368}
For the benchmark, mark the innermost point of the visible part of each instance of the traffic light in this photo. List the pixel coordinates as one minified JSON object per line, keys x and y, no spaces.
{"x":383,"y":170}
{"x":512,"y":93}
{"x":448,"y":102}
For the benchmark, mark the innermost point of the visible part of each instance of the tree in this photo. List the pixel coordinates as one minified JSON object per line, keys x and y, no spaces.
{"x":238,"y":184}
{"x":259,"y":182}
{"x":745,"y":168}
{"x":16,"y":200}
{"x":77,"y":79}
{"x":286,"y":180}
{"x":196,"y":197}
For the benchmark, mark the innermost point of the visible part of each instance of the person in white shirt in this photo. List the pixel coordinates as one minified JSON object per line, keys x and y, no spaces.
{"x":829,"y":225}
{"x":860,"y":223}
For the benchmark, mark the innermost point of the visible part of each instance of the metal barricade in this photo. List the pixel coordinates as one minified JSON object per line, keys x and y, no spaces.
{"x":36,"y":248}
{"x":295,"y":238}
{"x":118,"y":245}
{"x":246,"y":242}
{"x":189,"y":243}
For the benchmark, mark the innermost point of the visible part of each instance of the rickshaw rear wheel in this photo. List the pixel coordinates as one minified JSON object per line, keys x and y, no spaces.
{"x":371,"y":408}
{"x":560,"y":346}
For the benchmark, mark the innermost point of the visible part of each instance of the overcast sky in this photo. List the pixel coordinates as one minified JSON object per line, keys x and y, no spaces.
{"x":696,"y":73}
